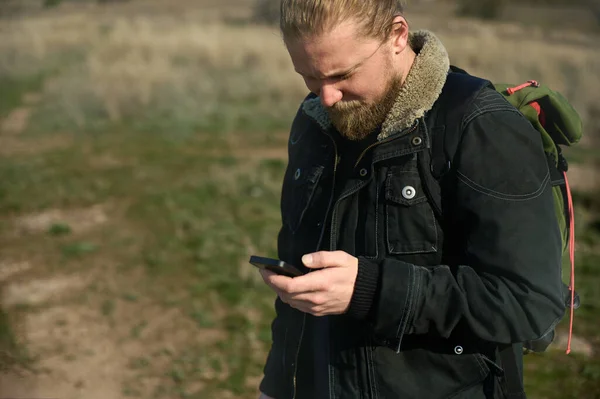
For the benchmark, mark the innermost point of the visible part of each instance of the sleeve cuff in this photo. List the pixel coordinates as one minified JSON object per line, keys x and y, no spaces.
{"x":365,"y":290}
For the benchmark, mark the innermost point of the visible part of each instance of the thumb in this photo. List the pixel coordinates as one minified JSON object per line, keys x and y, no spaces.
{"x":323,"y":259}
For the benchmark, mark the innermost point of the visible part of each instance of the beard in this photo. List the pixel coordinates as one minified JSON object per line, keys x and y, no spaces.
{"x":356,"y":120}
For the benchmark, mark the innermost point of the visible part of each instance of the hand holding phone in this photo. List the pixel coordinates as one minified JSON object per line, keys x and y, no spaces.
{"x":276,"y":266}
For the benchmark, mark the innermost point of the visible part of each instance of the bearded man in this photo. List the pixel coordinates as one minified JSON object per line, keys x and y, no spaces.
{"x":395,"y":302}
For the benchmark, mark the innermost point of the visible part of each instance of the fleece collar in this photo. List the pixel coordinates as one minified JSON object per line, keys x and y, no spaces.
{"x":419,"y":92}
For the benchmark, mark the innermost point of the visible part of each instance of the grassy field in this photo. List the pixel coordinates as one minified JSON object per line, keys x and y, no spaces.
{"x":142,"y":149}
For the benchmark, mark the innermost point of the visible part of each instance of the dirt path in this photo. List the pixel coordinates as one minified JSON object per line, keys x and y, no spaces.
{"x":76,"y":355}
{"x":16,"y":121}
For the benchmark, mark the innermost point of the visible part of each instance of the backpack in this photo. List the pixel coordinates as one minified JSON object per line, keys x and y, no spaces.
{"x":559,"y":125}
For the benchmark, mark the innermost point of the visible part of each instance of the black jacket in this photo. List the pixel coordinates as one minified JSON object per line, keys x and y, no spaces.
{"x":431,"y":304}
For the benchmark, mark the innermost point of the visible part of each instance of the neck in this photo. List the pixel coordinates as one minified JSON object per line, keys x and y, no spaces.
{"x":407,"y":62}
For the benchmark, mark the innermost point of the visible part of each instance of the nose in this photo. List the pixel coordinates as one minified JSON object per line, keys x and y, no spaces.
{"x":329,"y":95}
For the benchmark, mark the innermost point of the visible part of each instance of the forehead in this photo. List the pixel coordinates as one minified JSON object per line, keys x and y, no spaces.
{"x":332,"y":51}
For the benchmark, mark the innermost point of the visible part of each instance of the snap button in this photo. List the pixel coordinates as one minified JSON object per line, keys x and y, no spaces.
{"x":363,"y":172}
{"x":297,"y":174}
{"x":409,"y":192}
{"x":417,"y":141}
{"x":458,"y":350}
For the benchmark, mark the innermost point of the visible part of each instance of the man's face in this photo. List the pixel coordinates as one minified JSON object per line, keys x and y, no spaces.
{"x":355,"y":78}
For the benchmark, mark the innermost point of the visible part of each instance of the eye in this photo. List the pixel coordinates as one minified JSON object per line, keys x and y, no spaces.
{"x":339,"y":78}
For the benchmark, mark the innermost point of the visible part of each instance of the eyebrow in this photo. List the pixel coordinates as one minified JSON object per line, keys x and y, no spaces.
{"x":336,"y":74}
{"x":347,"y":71}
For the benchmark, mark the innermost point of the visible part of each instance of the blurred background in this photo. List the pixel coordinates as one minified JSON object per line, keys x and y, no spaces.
{"x":142,"y":148}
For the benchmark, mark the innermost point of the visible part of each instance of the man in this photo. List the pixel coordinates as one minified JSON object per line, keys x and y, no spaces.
{"x":398,"y":304}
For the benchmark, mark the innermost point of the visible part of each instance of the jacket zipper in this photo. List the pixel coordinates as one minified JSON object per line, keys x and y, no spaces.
{"x":298,"y":352}
{"x":336,"y":162}
{"x":334,"y":216}
{"x":335,"y":165}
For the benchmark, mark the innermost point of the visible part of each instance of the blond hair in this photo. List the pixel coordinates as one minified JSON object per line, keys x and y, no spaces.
{"x":303,"y":18}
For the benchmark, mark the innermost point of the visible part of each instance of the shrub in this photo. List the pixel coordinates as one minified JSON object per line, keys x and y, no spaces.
{"x":485,"y":9}
{"x":266,"y":12}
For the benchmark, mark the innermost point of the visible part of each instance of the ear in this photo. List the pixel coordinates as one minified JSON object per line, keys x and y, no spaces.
{"x":399,"y":34}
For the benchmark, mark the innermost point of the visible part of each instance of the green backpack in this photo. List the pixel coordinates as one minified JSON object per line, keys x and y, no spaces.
{"x":559,"y":125}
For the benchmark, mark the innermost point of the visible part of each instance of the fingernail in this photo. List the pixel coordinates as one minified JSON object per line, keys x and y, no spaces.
{"x":307,"y":260}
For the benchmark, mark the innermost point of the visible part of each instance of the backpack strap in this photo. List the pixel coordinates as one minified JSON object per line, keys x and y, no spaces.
{"x":447,"y":115}
{"x":452,"y":105}
{"x":459,"y":91}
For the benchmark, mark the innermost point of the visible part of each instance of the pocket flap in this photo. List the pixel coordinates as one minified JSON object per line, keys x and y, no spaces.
{"x":404,"y":187}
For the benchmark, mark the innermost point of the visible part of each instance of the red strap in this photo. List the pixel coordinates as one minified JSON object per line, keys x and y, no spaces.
{"x":542,"y":119}
{"x":540,"y":112}
{"x":572,"y":259}
{"x":511,"y":90}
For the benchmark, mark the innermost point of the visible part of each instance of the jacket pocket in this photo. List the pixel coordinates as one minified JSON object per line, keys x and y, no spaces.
{"x":298,"y":194}
{"x":410,"y":222}
{"x":421,"y":373}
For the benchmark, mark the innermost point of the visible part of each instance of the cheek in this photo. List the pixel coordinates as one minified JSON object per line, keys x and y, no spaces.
{"x":377,"y":88}
{"x":356,"y":90}
{"x":364,"y":92}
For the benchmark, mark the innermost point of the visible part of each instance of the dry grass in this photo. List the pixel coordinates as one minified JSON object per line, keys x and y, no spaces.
{"x":110,"y":65}
{"x":117,"y":68}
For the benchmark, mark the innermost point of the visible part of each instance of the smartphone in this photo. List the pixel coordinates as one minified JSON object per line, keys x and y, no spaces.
{"x":275,"y":265}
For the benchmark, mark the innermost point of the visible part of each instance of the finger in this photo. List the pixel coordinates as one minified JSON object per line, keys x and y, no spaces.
{"x":312,"y":298}
{"x":306,"y":308}
{"x":301,"y":306}
{"x":322,"y":259}
{"x":274,"y":280}
{"x":311,"y":282}
{"x":265,"y":274}
{"x":279,"y":282}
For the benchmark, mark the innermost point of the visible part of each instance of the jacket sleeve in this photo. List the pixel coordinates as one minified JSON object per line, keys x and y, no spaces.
{"x":509,"y":288}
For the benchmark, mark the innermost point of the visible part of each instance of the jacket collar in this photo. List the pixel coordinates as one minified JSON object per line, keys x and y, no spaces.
{"x":421,"y":89}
